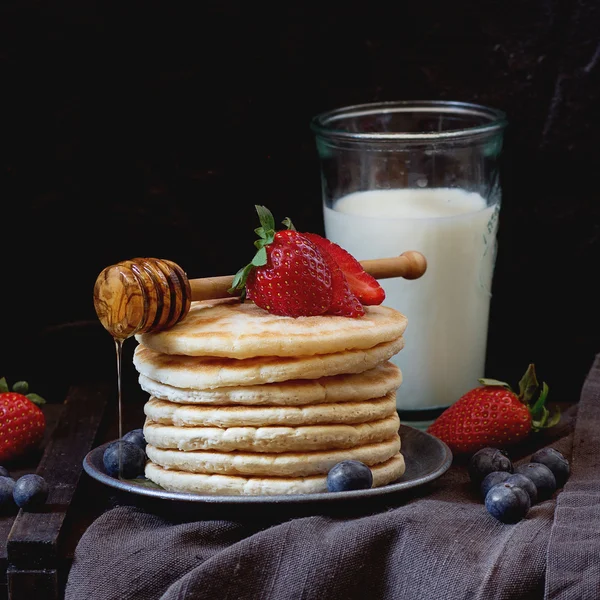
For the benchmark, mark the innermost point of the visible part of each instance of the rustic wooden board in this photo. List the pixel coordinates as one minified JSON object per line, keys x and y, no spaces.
{"x":33,"y":548}
{"x":38,"y":584}
{"x":52,"y":413}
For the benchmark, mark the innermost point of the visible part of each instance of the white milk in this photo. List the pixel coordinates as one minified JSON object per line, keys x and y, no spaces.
{"x":448,"y":307}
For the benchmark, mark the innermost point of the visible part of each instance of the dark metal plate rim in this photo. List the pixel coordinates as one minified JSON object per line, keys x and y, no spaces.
{"x":414,"y":442}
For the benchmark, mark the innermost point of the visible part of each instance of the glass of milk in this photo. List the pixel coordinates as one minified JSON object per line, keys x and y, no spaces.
{"x":421,"y":175}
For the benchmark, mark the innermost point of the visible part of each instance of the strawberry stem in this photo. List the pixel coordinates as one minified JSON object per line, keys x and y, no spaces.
{"x":540,"y":415}
{"x":266,"y":235}
{"x":288,"y":223}
{"x":528,"y":388}
{"x":540,"y":401}
{"x":267,"y":230}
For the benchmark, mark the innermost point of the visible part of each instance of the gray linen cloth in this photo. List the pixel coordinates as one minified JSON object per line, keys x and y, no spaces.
{"x":437,"y":543}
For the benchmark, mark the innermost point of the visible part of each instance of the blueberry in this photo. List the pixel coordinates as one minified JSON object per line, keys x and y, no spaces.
{"x":7,"y":485}
{"x":124,"y":459}
{"x":136,"y":437}
{"x":507,"y":502}
{"x":487,"y":460}
{"x":542,"y":477}
{"x":349,"y":475}
{"x":556,"y":462}
{"x":491,"y":479}
{"x":31,"y":491}
{"x":4,"y":472}
{"x":525,"y":483}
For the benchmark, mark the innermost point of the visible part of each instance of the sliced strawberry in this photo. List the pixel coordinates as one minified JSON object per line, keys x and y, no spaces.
{"x":343,"y":302}
{"x":364,"y":286}
{"x":301,"y":274}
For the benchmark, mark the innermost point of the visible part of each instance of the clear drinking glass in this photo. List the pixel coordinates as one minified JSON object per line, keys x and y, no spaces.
{"x":421,"y":175}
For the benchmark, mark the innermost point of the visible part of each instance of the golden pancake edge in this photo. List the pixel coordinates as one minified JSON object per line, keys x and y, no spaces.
{"x":227,"y":327}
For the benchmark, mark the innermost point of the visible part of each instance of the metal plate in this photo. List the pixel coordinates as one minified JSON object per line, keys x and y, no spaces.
{"x":426,"y":459}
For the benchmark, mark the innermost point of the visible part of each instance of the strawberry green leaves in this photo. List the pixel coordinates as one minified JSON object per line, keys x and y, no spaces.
{"x":303,"y":274}
{"x":22,"y":421}
{"x":494,"y":415}
{"x":529,"y":387}
{"x":540,"y":415}
{"x":266,"y":235}
{"x":21,"y":387}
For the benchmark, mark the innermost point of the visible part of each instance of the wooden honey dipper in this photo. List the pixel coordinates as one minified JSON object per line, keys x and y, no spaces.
{"x":149,"y":294}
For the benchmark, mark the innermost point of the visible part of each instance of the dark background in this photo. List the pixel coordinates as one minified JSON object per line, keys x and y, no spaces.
{"x":149,"y":129}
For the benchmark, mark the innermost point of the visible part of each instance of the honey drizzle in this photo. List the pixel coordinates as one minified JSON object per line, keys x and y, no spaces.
{"x":119,"y":352}
{"x":119,"y":349}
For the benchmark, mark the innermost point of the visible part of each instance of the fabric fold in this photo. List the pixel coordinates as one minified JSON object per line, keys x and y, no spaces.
{"x":437,"y":542}
{"x":573,"y":557}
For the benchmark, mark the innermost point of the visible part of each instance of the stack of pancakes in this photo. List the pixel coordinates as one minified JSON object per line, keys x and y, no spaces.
{"x":244,"y":402}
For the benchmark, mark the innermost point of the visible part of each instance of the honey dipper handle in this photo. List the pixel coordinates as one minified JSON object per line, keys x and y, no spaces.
{"x":206,"y":288}
{"x":410,"y":265}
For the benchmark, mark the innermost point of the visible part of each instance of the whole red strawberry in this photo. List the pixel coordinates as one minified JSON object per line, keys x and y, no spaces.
{"x":291,"y":275}
{"x":22,"y":422}
{"x":295,"y":279}
{"x":494,"y":415}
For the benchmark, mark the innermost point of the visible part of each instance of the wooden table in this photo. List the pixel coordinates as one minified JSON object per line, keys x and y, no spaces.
{"x":37,"y":548}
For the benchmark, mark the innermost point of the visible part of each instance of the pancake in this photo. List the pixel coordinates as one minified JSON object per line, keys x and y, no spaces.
{"x":352,"y":387}
{"x":227,"y":327}
{"x":182,"y":415}
{"x":307,"y":438}
{"x":284,"y":464}
{"x":201,"y":372}
{"x":228,"y":485}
